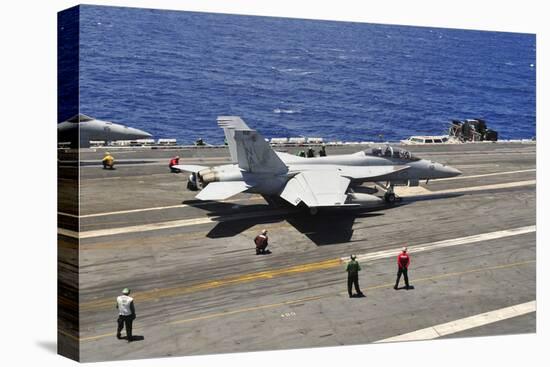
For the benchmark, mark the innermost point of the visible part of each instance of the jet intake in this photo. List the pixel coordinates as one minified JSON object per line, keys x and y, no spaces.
{"x":363,"y":199}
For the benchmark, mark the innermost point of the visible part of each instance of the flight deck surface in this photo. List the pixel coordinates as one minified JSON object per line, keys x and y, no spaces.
{"x":199,"y":287}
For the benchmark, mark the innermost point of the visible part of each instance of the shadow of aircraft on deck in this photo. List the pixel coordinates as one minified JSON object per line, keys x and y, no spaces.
{"x":328,"y":227}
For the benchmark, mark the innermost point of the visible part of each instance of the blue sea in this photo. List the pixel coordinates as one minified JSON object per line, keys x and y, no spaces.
{"x":172,"y":73}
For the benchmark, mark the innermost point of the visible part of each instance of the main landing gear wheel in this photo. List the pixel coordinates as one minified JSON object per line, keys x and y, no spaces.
{"x":390,"y":197}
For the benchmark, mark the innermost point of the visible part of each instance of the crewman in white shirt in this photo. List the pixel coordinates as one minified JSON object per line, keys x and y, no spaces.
{"x":126,"y":314}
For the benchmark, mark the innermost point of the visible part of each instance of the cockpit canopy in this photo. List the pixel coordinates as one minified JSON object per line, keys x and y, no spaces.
{"x":391,"y":152}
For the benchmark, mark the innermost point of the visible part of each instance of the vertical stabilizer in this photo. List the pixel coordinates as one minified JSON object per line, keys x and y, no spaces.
{"x":229,"y":125}
{"x":248,"y":147}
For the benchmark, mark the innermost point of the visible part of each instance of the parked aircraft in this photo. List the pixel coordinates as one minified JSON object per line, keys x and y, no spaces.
{"x":81,"y":129}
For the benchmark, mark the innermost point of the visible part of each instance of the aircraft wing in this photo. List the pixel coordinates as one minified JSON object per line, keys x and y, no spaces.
{"x":317,"y":188}
{"x":190,"y":167}
{"x":222,"y":190}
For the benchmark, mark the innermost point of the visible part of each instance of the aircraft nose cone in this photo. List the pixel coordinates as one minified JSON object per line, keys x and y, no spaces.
{"x":448,"y":171}
{"x":137,"y":132}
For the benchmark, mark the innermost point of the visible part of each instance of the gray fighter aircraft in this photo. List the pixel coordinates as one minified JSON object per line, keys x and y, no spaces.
{"x":320,"y":182}
{"x":81,"y":128}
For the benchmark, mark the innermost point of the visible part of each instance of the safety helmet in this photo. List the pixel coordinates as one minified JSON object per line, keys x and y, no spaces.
{"x":404,"y":249}
{"x":177,"y":157}
{"x":353,"y":257}
{"x":107,"y":153}
{"x":264,"y":231}
{"x":126,"y":291}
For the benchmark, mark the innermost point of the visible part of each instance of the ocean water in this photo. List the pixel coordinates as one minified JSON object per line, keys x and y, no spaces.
{"x":172,"y":73}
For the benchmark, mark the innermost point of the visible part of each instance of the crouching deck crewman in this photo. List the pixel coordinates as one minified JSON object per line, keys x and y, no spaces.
{"x":108,"y":161}
{"x":126,"y":314}
{"x":174,"y":162}
{"x":261,"y":243}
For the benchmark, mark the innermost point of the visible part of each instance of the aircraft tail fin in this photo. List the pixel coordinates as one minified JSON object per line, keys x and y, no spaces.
{"x":229,"y":125}
{"x":248,"y":147}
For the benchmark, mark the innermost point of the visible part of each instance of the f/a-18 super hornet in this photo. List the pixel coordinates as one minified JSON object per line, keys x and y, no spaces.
{"x":81,"y":129}
{"x":320,"y":182}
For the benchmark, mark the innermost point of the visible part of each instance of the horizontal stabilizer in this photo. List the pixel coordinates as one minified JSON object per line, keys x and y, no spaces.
{"x":222,"y":190}
{"x":190,"y":167}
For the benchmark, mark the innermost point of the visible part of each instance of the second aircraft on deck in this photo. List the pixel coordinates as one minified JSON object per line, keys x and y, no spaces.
{"x":321,"y":182}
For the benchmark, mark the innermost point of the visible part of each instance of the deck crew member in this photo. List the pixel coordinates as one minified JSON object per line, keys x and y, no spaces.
{"x":403,"y":262}
{"x":126,"y":314}
{"x":322,"y":151}
{"x":174,"y":162}
{"x":310,"y":152}
{"x":108,"y":161}
{"x":261,"y":243}
{"x":353,"y":269}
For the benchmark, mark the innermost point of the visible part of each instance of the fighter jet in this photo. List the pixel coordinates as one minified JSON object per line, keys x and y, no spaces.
{"x":81,"y":128}
{"x":320,"y":182}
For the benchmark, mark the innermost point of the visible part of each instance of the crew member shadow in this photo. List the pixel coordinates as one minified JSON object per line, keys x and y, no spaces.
{"x":411,"y":287}
{"x":135,"y":338}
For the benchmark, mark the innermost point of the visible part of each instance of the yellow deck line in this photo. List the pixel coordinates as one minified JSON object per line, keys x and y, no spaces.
{"x":178,"y":291}
{"x":304,"y":268}
{"x":313,"y":298}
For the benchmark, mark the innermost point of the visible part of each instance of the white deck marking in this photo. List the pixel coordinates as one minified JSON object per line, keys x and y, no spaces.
{"x":405,"y":190}
{"x":164,"y":225}
{"x":465,"y":323}
{"x":68,"y":215}
{"x":423,"y":191}
{"x":67,"y":233}
{"x":506,"y":185}
{"x":445,"y":243}
{"x":204,"y":220}
{"x":145,"y":227}
{"x":485,"y":175}
{"x":155,"y":208}
{"x":134,"y":210}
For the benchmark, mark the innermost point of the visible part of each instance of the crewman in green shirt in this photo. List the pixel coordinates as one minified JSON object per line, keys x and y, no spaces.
{"x":353,"y":269}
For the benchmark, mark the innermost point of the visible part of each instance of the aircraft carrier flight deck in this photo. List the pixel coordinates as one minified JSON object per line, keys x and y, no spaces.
{"x":199,"y":287}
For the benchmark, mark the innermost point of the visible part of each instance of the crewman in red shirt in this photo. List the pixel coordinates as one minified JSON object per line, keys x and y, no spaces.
{"x":174,"y":162}
{"x":403,"y":261}
{"x":261,"y":243}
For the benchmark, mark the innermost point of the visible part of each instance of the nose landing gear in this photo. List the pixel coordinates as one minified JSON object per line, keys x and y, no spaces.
{"x":389,"y":195}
